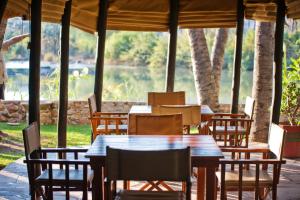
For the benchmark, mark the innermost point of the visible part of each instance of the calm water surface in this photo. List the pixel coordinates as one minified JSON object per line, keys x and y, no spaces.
{"x":123,"y":84}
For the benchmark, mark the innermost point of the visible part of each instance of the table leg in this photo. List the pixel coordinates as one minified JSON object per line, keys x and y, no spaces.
{"x":210,"y":183}
{"x":200,"y":183}
{"x":97,"y":185}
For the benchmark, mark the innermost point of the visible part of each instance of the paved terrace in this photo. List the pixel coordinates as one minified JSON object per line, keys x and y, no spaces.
{"x":14,"y":183}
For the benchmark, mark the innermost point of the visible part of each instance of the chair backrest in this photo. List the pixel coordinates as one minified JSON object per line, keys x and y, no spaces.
{"x":142,"y":124}
{"x":167,"y":165}
{"x":31,"y":139}
{"x":276,"y":140}
{"x":249,"y":107}
{"x":191,"y":114}
{"x":166,"y":98}
{"x":92,"y":104}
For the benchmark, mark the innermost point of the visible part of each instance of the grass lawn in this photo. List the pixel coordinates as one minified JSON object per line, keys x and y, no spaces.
{"x":11,"y":139}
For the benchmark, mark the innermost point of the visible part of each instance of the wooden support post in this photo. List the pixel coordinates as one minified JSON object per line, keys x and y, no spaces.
{"x":237,"y":57}
{"x":101,"y":27}
{"x":64,"y":72}
{"x":278,"y":54}
{"x":34,"y":61}
{"x":3,"y":4}
{"x":171,"y":63}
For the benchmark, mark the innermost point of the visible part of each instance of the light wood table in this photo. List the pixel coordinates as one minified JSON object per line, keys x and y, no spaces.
{"x":205,"y":153}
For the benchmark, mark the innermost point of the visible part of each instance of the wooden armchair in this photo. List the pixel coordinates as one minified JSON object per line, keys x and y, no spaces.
{"x":106,"y":122}
{"x":233,"y":129}
{"x":48,"y":175}
{"x":166,"y":98}
{"x":148,"y":166}
{"x":253,"y":174}
{"x":144,"y":124}
{"x":191,"y":114}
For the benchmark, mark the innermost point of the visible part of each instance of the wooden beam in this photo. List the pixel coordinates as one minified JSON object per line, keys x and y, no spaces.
{"x":278,"y":54}
{"x":3,"y":4}
{"x":101,"y":27}
{"x":34,"y":62}
{"x":171,"y":62}
{"x":237,"y":57}
{"x":64,"y":72}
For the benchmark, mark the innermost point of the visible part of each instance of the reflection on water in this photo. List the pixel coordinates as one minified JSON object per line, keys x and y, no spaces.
{"x":125,"y":84}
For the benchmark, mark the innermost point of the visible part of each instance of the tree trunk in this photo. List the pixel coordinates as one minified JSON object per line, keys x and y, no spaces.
{"x":217,"y":56}
{"x":202,"y":69}
{"x":3,"y":76}
{"x":262,"y":80}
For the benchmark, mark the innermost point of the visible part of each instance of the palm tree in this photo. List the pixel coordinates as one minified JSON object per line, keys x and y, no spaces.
{"x":4,"y":45}
{"x":207,"y":73}
{"x":262,"y":79}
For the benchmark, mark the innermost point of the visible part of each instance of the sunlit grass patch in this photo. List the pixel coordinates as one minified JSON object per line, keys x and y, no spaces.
{"x":11,"y":139}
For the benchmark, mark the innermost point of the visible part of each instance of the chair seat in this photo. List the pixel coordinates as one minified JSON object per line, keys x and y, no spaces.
{"x":150,"y":195}
{"x":232,"y":178}
{"x":230,"y":129}
{"x":113,"y":127}
{"x":59,"y":178}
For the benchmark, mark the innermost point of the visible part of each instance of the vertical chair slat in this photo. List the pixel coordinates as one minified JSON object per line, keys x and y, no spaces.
{"x":76,"y":158}
{"x":256,"y":181}
{"x":50,"y":188}
{"x":274,"y":185}
{"x":85,"y":171}
{"x":44,"y":156}
{"x":240,"y":181}
{"x":223,"y":166}
{"x":67,"y":177}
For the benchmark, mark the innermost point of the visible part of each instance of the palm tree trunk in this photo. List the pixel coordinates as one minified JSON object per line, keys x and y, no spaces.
{"x":262,"y":80}
{"x":202,"y":69}
{"x":217,"y":56}
{"x":3,"y":77}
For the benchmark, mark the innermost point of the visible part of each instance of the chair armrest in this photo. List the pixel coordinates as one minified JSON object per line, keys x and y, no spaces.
{"x":60,"y":161}
{"x":63,"y":150}
{"x":246,"y":150}
{"x":228,"y":115}
{"x":96,"y":114}
{"x":231,"y":119}
{"x":107,"y":118}
{"x":251,"y":161}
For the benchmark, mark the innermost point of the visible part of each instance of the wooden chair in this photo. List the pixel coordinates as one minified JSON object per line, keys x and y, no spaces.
{"x":150,"y":166}
{"x":44,"y":178}
{"x":253,"y":174}
{"x":191,"y":114}
{"x":144,"y":124}
{"x":166,"y":98}
{"x":233,"y":129}
{"x":106,"y":122}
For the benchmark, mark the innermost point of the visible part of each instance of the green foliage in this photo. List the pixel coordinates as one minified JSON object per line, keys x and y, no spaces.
{"x":292,"y":45}
{"x":248,"y":50}
{"x":160,"y":52}
{"x":290,"y":105}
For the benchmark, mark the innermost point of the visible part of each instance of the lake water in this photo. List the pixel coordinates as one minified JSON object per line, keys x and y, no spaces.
{"x":123,"y":83}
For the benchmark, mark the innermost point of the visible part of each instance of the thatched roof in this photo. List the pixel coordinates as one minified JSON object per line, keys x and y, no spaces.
{"x":153,"y":15}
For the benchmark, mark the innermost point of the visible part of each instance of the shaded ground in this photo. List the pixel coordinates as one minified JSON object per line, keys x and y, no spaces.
{"x":14,"y":183}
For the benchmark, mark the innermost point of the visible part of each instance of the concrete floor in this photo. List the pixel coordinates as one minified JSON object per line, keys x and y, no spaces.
{"x":14,"y":183}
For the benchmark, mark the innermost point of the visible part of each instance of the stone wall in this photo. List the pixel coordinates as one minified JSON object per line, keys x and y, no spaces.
{"x":78,"y":111}
{"x":12,"y":111}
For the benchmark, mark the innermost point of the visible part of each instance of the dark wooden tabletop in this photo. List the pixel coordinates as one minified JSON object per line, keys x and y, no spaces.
{"x":203,"y":147}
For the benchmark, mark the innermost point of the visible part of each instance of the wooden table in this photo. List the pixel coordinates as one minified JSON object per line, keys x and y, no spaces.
{"x":206,"y":112}
{"x":204,"y":153}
